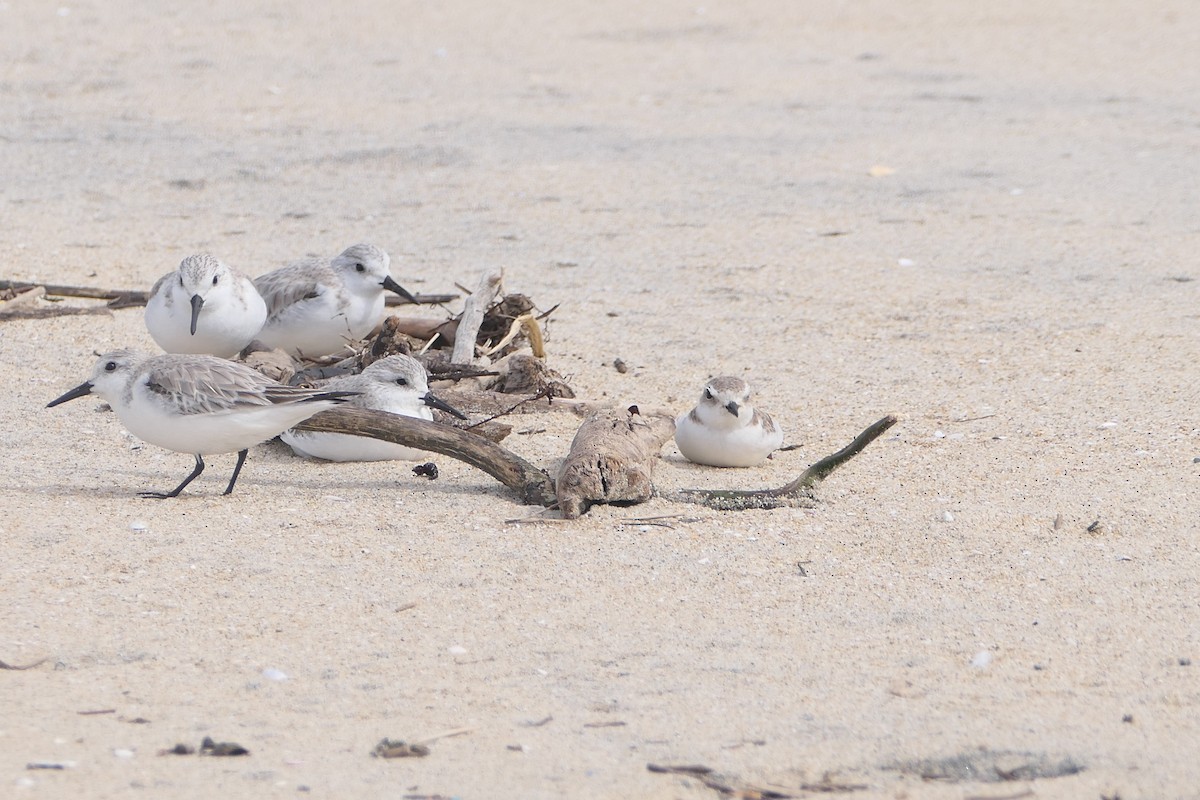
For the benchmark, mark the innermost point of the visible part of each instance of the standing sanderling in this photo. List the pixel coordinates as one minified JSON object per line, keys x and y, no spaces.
{"x":724,"y":430}
{"x":397,"y":384}
{"x":315,"y":307}
{"x":204,"y":307}
{"x":198,"y":404}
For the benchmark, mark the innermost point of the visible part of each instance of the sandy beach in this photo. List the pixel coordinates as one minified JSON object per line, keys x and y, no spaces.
{"x":981,"y":218}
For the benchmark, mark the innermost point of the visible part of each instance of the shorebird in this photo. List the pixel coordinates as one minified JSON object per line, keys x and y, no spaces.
{"x":724,"y":430}
{"x":204,"y":307}
{"x":315,"y":307}
{"x":397,"y":384}
{"x":198,"y":404}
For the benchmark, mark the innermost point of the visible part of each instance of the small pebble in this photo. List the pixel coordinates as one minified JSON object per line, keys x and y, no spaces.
{"x":456,"y":650}
{"x":122,"y":752}
{"x":139,"y":527}
{"x":981,"y":660}
{"x":947,"y":516}
{"x":270,"y":673}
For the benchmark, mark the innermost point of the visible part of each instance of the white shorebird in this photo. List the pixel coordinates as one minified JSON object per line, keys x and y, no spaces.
{"x":724,"y":430}
{"x":397,"y":384}
{"x":198,"y":404}
{"x":206,"y":307}
{"x":315,"y":307}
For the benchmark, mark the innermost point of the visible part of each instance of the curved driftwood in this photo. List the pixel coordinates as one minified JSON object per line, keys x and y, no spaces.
{"x":532,"y":484}
{"x":798,"y":492}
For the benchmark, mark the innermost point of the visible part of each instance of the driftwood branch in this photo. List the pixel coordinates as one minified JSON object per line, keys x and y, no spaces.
{"x":24,"y":305}
{"x":533,"y":485}
{"x":53,"y":311}
{"x":423,"y":299}
{"x":799,"y":491}
{"x":117,"y":298}
{"x":611,"y":460}
{"x":474,"y":307}
{"x":123,"y":298}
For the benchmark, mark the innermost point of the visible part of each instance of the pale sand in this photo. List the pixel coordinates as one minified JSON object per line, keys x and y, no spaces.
{"x":673,"y":175}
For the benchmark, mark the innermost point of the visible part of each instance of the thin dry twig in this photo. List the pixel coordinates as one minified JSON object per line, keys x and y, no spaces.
{"x":709,"y":778}
{"x":545,"y":391}
{"x":39,"y":662}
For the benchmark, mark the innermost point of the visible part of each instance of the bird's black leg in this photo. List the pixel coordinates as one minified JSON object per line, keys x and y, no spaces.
{"x":175,"y":492}
{"x":236,"y":470}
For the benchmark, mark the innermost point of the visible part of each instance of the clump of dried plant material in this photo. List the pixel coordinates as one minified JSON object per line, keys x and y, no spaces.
{"x":208,"y":747}
{"x":525,"y":374}
{"x":398,"y":748}
{"x":275,"y":363}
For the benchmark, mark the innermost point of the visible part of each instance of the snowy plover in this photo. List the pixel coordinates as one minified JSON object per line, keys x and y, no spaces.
{"x":724,"y":430}
{"x":198,"y":404}
{"x":314,"y":307}
{"x":398,"y":384}
{"x":205,"y":307}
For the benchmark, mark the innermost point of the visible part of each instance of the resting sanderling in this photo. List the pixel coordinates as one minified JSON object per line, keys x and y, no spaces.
{"x":398,"y":384}
{"x":198,"y":404}
{"x":724,"y":430}
{"x":315,"y":307}
{"x":205,"y":307}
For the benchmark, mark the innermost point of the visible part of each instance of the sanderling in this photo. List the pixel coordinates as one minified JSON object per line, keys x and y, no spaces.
{"x":315,"y":307}
{"x":205,"y":307}
{"x":398,"y":384}
{"x":724,"y":430}
{"x":198,"y":404}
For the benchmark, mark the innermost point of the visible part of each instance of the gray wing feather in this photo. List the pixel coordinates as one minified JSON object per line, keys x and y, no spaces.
{"x":289,"y":285}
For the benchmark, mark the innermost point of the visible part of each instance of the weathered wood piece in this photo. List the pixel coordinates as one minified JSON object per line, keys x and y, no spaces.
{"x":474,"y":307}
{"x":611,"y":460}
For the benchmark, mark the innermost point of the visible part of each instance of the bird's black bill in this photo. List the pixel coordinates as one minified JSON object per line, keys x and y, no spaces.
{"x":78,"y":391}
{"x":436,"y":402}
{"x":732,"y":408}
{"x":197,"y":304}
{"x":390,"y":284}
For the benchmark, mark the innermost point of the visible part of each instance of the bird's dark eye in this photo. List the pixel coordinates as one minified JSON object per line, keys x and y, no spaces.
{"x":359,"y":268}
{"x":215,"y":279}
{"x":402,"y":381}
{"x":111,"y":366}
{"x":708,"y":394}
